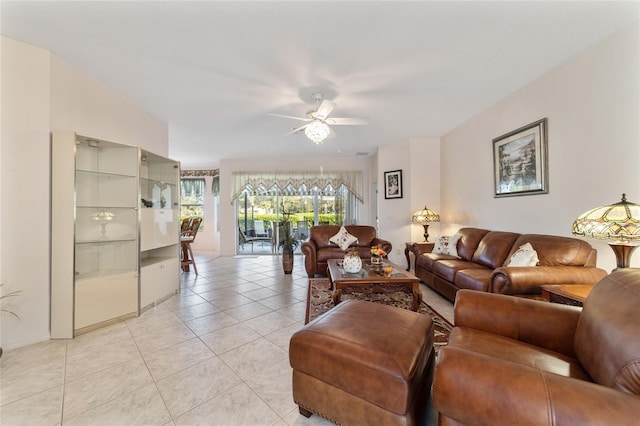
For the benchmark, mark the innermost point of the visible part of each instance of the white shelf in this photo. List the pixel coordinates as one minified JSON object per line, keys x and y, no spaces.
{"x":159,"y":228}
{"x":101,"y":235}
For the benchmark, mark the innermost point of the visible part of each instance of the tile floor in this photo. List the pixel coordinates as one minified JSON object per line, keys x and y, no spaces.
{"x":215,"y":354}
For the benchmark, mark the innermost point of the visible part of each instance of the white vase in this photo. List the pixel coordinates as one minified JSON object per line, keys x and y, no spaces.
{"x":352,"y":264}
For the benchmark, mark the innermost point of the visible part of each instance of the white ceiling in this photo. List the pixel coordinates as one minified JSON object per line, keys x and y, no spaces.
{"x":214,"y":70}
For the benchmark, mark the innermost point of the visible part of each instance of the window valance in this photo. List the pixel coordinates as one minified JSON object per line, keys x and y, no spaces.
{"x":192,"y":187}
{"x":283,"y":180}
{"x":215,"y":173}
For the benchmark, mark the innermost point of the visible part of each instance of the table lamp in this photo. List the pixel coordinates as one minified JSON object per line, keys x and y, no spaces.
{"x":103,"y":217}
{"x":423,"y":217}
{"x":616,"y":222}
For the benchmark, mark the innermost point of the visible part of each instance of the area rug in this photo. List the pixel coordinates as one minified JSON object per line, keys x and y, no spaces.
{"x":319,"y":301}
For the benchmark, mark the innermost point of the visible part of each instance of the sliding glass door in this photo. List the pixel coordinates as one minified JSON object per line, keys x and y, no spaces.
{"x":264,"y":214}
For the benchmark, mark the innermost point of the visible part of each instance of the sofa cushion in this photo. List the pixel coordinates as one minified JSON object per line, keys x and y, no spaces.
{"x":336,"y":252}
{"x":320,"y":234}
{"x":427,"y":260}
{"x":494,"y":248}
{"x":343,"y":239}
{"x":447,"y":268}
{"x":524,"y":256}
{"x":508,"y":349}
{"x":469,"y":240}
{"x":607,"y":339}
{"x":446,"y":245}
{"x":474,"y":279}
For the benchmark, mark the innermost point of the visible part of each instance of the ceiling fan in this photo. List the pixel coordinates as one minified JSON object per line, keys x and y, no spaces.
{"x":318,"y":123}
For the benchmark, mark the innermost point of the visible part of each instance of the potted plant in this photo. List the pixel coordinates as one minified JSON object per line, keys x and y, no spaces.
{"x":288,"y":243}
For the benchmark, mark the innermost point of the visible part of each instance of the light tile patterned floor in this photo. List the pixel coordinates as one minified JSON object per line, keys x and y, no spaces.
{"x":215,"y":354}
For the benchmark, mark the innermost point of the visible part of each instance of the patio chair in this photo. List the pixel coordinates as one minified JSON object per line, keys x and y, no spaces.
{"x":303,"y":230}
{"x":258,"y":227}
{"x":243,"y":239}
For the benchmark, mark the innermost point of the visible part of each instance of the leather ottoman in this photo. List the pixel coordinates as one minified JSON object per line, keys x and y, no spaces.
{"x":364,"y":363}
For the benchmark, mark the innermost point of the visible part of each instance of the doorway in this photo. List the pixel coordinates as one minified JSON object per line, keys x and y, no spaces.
{"x":265,"y":215}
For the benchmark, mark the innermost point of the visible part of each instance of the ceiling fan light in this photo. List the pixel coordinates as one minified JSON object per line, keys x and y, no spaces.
{"x":317,"y":131}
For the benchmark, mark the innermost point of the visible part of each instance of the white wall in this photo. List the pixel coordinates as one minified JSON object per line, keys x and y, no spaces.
{"x":81,"y":104}
{"x":592,"y":106}
{"x":424,"y":183}
{"x":419,"y":161}
{"x":24,"y":226}
{"x":41,"y":93}
{"x":228,"y":166}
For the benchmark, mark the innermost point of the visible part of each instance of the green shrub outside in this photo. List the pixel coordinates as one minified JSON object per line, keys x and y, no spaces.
{"x":294,"y":218}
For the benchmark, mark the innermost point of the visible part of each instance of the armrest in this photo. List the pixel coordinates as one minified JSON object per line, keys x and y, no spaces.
{"x":521,"y":394}
{"x":547,"y":325}
{"x":527,"y":280}
{"x":309,"y":250}
{"x":386,"y":245}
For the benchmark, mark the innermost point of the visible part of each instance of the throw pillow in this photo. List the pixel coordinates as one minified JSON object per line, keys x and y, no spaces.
{"x":524,"y":256}
{"x":447,"y":245}
{"x":343,"y":238}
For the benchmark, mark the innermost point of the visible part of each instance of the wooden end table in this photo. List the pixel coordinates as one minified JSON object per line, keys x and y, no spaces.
{"x":567,"y":294}
{"x":416,"y":249}
{"x":372,"y":279}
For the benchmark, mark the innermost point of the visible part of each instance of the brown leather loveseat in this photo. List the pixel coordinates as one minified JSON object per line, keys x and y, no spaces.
{"x":483,"y":256}
{"x":515,"y":361}
{"x":319,"y":249}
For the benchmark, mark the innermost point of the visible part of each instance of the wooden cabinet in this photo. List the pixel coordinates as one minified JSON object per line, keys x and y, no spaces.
{"x":98,"y":230}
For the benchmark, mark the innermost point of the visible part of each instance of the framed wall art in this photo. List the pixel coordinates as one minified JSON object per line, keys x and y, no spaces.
{"x":393,"y":184}
{"x":520,"y":161}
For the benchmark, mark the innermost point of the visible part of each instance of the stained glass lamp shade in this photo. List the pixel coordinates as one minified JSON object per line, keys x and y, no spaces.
{"x":618,"y":223}
{"x":423,"y":217}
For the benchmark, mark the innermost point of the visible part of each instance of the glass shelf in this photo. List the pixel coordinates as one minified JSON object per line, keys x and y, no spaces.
{"x":106,"y":189}
{"x":159,"y":178}
{"x":106,"y":157}
{"x":100,"y":274}
{"x":158,"y":194}
{"x":101,"y":224}
{"x":105,"y":258}
{"x":103,"y":241}
{"x":104,"y":174}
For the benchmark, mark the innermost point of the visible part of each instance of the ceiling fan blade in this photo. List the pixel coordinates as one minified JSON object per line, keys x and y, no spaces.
{"x":347,"y":121}
{"x":289,"y":116}
{"x":296,"y":130}
{"x":325,"y":109}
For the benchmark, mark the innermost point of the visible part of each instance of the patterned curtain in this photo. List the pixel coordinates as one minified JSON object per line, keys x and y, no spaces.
{"x":192,"y":187}
{"x":215,"y":182}
{"x":298,"y":181}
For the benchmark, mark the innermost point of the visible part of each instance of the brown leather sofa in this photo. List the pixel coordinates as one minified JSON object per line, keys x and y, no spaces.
{"x":319,"y":249}
{"x":483,"y":255}
{"x":518,"y":361}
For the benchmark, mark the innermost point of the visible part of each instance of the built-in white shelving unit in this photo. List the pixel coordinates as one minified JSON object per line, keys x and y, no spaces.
{"x":160,"y":228}
{"x":102,"y":235}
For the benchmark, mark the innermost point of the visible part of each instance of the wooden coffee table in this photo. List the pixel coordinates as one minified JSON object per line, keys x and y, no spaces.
{"x":372,"y":279}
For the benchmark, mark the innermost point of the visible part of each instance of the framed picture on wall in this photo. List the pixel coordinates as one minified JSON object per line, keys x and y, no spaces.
{"x":520,"y":161}
{"x":393,"y":184}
